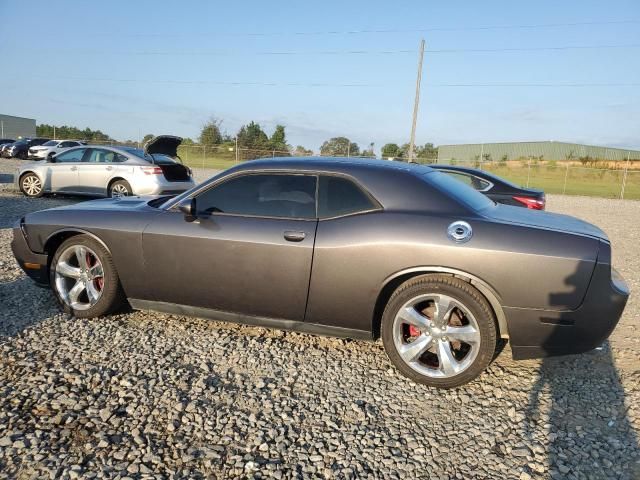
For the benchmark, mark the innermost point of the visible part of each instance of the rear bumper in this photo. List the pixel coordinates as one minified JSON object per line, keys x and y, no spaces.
{"x":544,"y":333}
{"x":156,"y":186}
{"x":35,"y":265}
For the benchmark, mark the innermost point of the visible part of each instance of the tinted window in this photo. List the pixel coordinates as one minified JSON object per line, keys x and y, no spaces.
{"x":98,"y":155}
{"x":455,"y":189}
{"x":339,"y":196}
{"x":67,"y":144}
{"x":289,"y":196}
{"x":50,"y":143}
{"x":71,"y":156}
{"x":471,"y":180}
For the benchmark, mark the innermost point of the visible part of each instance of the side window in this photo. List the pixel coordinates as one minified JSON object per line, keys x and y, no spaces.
{"x":69,"y":144}
{"x":265,"y":195}
{"x":340,"y":196}
{"x":71,"y":156}
{"x":98,"y":155}
{"x":471,"y":180}
{"x":120,"y":158}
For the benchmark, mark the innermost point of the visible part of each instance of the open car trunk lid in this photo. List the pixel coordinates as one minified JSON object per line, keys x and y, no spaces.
{"x":163,"y":144}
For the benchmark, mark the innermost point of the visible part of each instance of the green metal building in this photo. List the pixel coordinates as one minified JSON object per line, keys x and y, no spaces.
{"x":551,"y":150}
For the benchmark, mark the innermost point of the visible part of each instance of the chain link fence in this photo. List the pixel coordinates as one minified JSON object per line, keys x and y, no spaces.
{"x":555,"y":167}
{"x":570,"y":170}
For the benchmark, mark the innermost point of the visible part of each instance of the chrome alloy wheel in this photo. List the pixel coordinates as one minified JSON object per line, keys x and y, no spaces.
{"x":32,"y":185}
{"x":436,"y":335}
{"x":79,"y":277}
{"x":119,"y":190}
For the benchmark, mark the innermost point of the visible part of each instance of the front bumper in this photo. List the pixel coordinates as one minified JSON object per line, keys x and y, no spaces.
{"x":543,"y":333}
{"x":35,"y":265}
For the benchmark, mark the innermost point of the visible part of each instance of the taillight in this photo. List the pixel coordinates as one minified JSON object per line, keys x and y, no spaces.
{"x":151,"y":170}
{"x":530,"y":202}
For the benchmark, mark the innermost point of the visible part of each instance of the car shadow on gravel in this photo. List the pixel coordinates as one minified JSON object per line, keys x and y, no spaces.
{"x":23,"y":305}
{"x":577,"y":413}
{"x":578,"y":405}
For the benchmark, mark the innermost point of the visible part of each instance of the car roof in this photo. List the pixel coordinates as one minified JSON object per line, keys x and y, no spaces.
{"x":336,"y":164}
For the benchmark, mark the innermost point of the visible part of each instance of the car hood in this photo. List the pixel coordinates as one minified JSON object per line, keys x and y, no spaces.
{"x":545,"y":220}
{"x":122,"y":203}
{"x":163,"y":144}
{"x":39,"y":147}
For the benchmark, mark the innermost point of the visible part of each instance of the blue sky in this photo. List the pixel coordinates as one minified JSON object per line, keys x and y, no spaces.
{"x":135,"y":67}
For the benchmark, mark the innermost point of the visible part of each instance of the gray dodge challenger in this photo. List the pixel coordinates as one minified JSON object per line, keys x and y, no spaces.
{"x":350,"y":248}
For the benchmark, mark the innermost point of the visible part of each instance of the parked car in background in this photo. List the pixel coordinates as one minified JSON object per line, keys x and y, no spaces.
{"x":51,"y":148}
{"x":5,"y":143}
{"x":109,"y":171}
{"x":496,"y":188}
{"x":20,"y":148}
{"x":352,"y":248}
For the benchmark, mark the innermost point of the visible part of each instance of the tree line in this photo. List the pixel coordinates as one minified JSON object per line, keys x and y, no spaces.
{"x":255,"y":142}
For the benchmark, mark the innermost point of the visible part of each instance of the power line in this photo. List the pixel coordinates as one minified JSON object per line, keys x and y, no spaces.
{"x":349,"y":85}
{"x":376,"y":31}
{"x":354,"y":52}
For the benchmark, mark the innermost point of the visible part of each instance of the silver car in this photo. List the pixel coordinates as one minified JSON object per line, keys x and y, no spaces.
{"x":109,"y":171}
{"x":51,"y":148}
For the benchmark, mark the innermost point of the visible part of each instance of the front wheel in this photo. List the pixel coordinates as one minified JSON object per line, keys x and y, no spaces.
{"x":84,"y":278}
{"x":31,"y":185}
{"x":439,"y":330}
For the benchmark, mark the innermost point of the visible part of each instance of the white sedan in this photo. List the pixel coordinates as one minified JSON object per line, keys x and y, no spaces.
{"x":110,"y":171}
{"x":51,"y":148}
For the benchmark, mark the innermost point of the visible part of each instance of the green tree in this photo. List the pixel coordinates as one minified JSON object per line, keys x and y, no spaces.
{"x":279,"y":139}
{"x":427,"y":153}
{"x":252,"y":136}
{"x":147,"y":137}
{"x":390,"y":150}
{"x":210,"y":133}
{"x":340,"y":146}
{"x":300,"y":151}
{"x":64,"y":131}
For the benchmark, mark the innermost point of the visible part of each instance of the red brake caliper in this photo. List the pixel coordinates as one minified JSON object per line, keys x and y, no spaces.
{"x":414,"y":331}
{"x":98,"y":282}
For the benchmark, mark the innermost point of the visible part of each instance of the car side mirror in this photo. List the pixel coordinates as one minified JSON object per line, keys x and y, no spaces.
{"x":188,"y":207}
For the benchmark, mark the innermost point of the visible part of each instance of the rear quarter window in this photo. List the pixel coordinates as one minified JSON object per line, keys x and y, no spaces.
{"x":458,"y":190}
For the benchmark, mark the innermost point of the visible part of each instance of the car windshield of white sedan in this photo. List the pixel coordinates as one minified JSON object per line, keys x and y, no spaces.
{"x":51,"y":143}
{"x":458,"y":190}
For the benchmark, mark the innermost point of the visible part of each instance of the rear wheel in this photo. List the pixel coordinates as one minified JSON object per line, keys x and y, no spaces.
{"x":31,"y":185}
{"x":84,"y":278}
{"x":439,"y":330}
{"x":120,"y":188}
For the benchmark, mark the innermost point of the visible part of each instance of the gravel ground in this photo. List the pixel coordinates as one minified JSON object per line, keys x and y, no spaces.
{"x":145,"y":395}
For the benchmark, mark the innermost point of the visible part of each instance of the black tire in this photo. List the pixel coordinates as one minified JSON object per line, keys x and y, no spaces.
{"x":112,"y":296}
{"x":122,"y":185}
{"x":27,"y":181}
{"x":463,"y":293}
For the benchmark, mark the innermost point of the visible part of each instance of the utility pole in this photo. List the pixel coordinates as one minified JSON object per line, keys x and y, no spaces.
{"x":54,"y":132}
{"x":416,"y":102}
{"x":237,"y":153}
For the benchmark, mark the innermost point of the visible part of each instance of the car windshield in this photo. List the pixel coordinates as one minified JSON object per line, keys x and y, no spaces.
{"x":156,"y":158}
{"x":458,"y":190}
{"x":51,"y":143}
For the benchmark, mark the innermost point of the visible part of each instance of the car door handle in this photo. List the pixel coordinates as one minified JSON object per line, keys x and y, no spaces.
{"x":109,"y":168}
{"x":73,"y":169}
{"x":292,"y":236}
